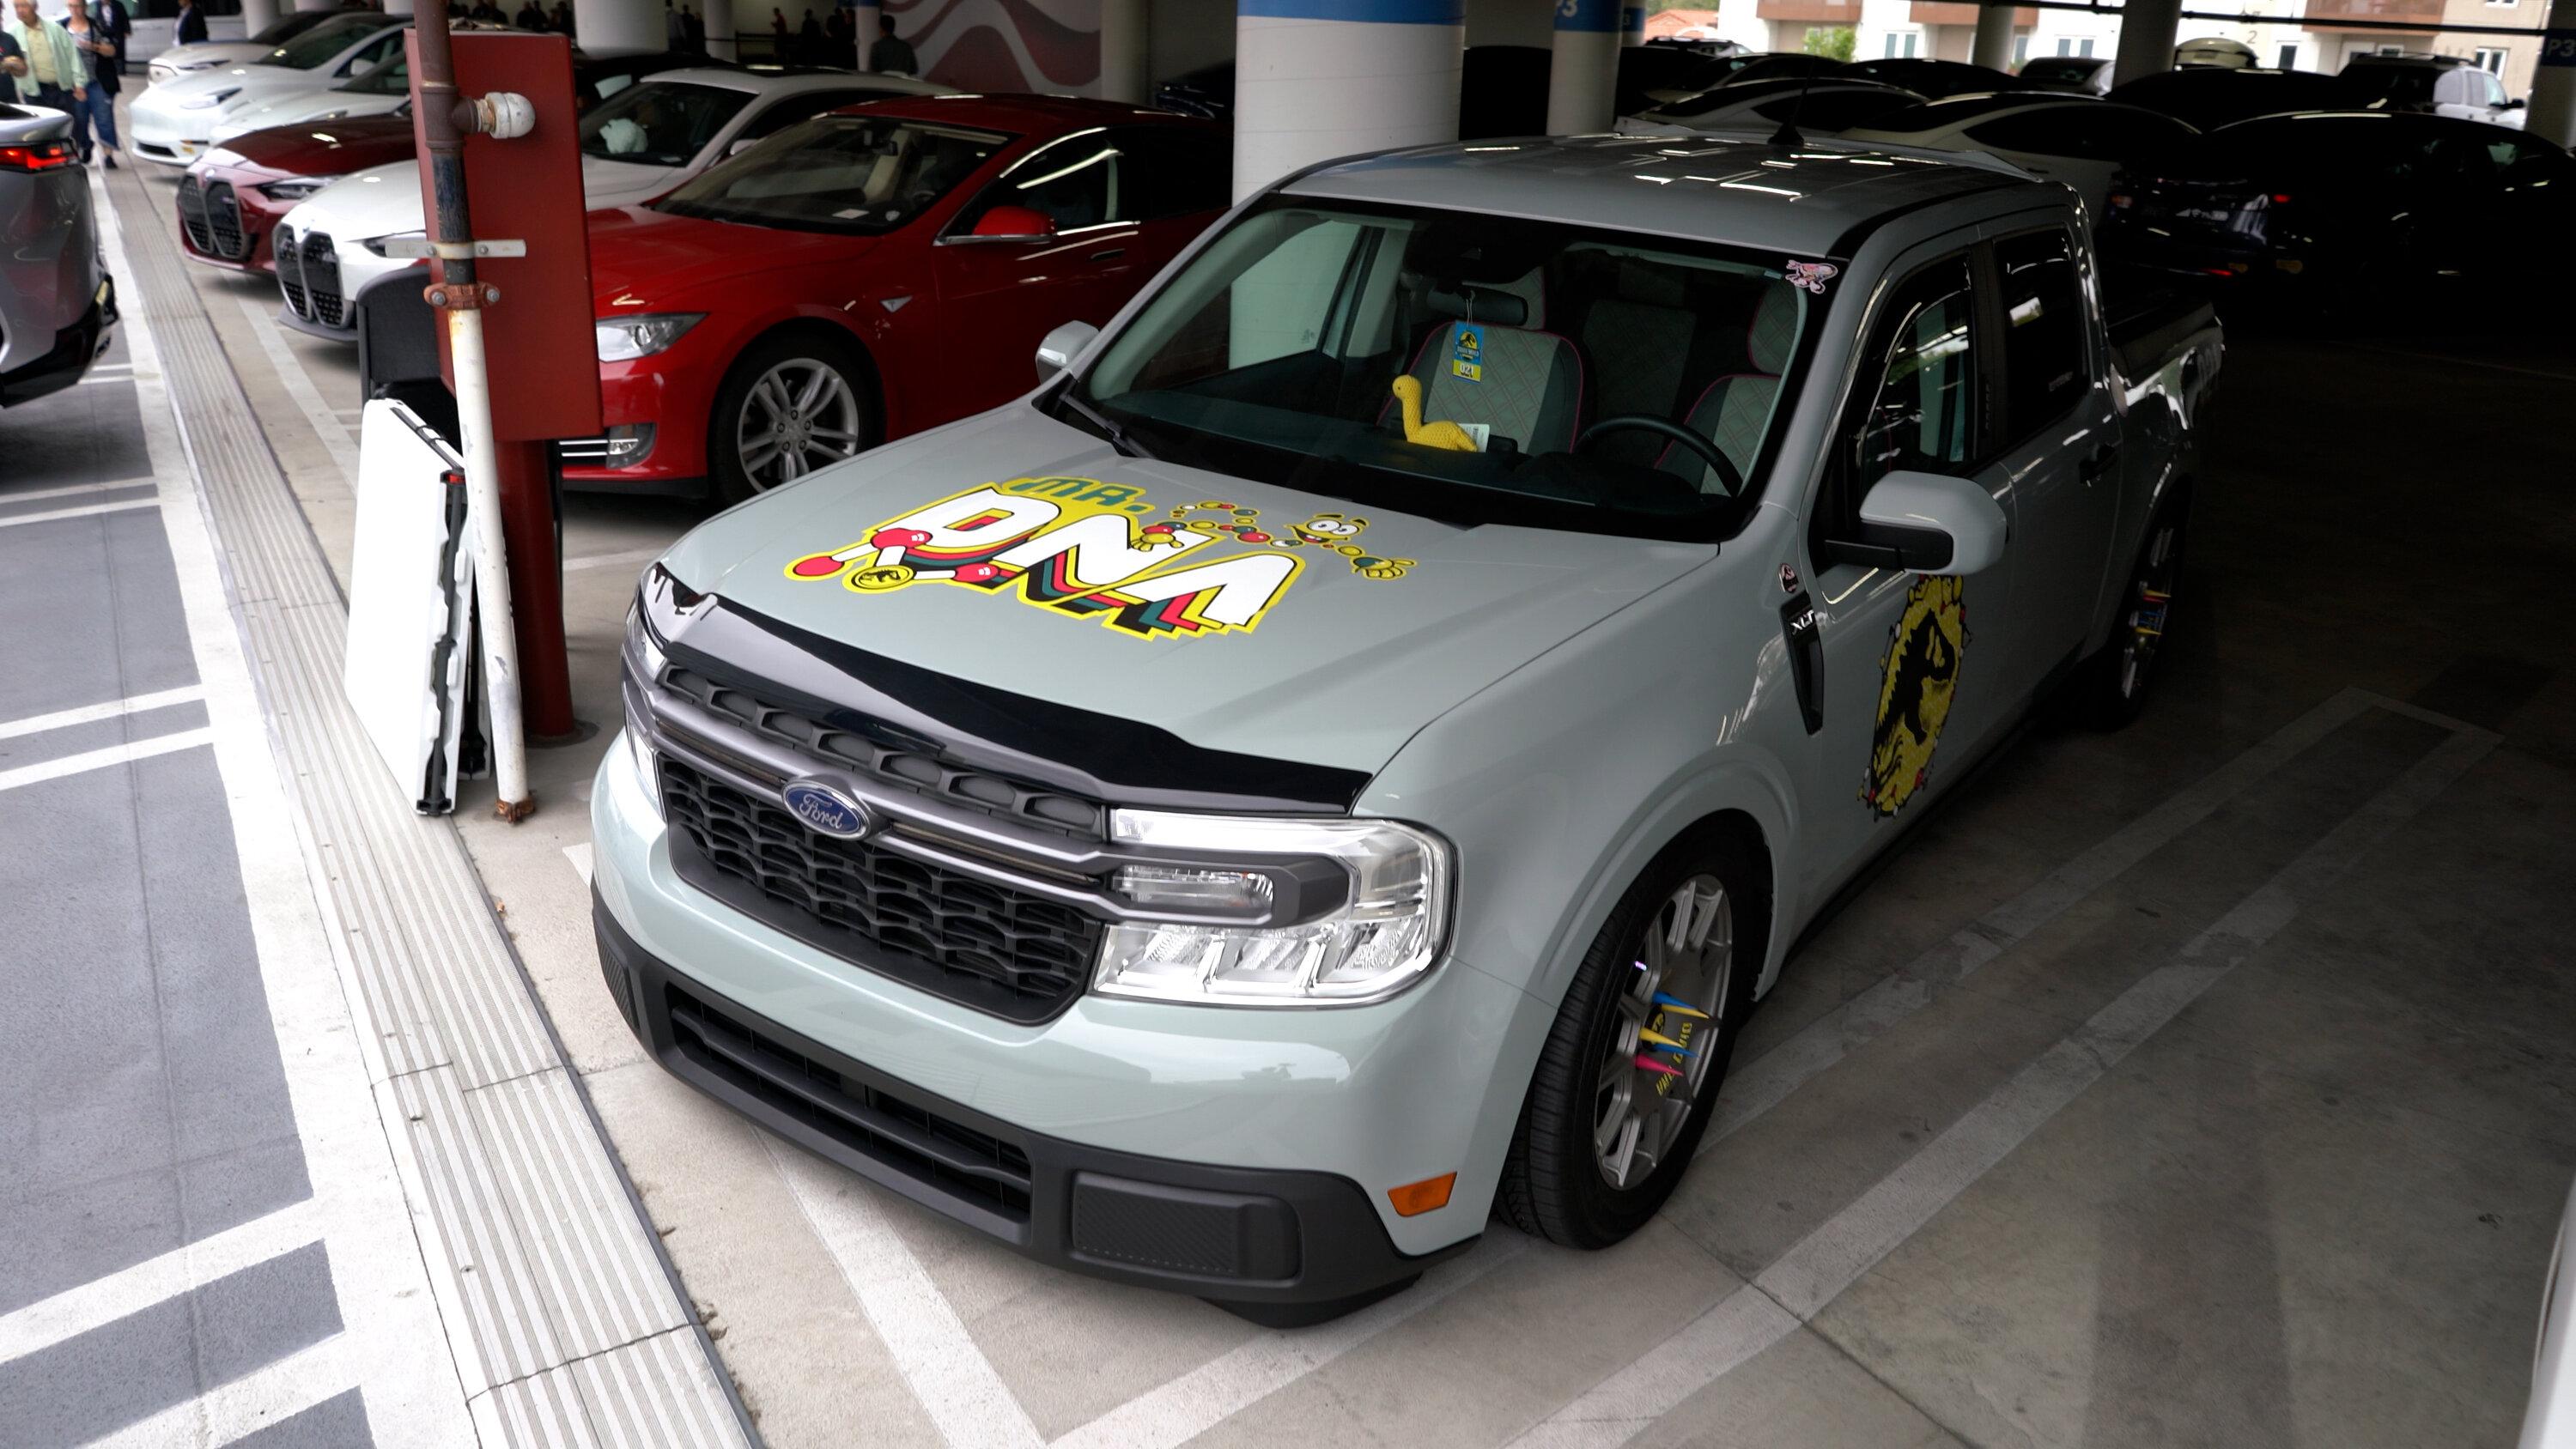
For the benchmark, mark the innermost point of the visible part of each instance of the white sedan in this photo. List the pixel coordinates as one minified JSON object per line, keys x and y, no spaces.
{"x":181,"y":60}
{"x":1817,"y":105}
{"x":174,"y":123}
{"x":636,"y":144}
{"x":380,"y":92}
{"x":2073,"y":139}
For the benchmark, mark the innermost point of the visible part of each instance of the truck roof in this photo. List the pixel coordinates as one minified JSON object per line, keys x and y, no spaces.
{"x":1727,"y":187}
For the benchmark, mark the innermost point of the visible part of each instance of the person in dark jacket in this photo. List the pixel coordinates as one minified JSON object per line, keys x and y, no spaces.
{"x":192,"y":23}
{"x":892,"y":54}
{"x":529,"y":17}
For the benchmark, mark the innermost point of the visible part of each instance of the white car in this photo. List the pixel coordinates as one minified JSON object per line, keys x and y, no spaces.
{"x":1819,"y":106}
{"x":636,"y":144}
{"x":379,"y":92}
{"x":2074,"y":139}
{"x":174,"y":123}
{"x":181,"y":60}
{"x":2549,"y":1420}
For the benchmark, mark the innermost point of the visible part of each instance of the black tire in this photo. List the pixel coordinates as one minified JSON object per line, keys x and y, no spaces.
{"x":1555,"y":1183}
{"x":2121,"y":673}
{"x":736,"y":478}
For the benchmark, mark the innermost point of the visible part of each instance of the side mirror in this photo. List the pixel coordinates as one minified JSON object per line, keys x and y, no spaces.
{"x":2515,"y":104}
{"x":1931,"y":523}
{"x":1061,"y":346}
{"x":1015,"y":223}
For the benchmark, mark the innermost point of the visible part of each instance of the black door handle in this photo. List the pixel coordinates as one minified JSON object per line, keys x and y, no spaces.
{"x":2099,"y":463}
{"x":1113,"y":252}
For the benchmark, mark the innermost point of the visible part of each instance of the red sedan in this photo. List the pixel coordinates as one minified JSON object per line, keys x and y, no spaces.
{"x":231,"y":198}
{"x":871,"y":273}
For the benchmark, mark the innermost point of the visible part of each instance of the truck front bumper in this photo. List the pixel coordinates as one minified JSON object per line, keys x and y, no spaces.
{"x":1238,"y":1155}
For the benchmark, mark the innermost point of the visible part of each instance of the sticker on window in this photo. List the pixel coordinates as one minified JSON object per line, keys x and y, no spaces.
{"x":1812,"y":276}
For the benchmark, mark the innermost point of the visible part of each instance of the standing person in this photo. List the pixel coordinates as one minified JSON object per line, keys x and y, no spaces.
{"x":529,"y":16}
{"x":97,"y":113}
{"x":192,"y":24}
{"x":13,"y":64}
{"x":809,"y":40}
{"x":892,"y":54}
{"x":560,"y":19}
{"x":56,"y":74}
{"x":695,"y":29}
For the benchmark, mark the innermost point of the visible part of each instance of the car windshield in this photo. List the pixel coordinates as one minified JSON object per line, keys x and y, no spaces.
{"x":1447,"y":364}
{"x":855,"y":174}
{"x":659,"y":123}
{"x":291,"y":26}
{"x":325,"y":41}
{"x":393,"y":78}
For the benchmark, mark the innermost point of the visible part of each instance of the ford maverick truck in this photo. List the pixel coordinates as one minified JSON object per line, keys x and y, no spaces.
{"x":1339,"y":760}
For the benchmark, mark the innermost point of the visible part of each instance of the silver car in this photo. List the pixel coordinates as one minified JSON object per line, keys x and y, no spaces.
{"x":57,"y":303}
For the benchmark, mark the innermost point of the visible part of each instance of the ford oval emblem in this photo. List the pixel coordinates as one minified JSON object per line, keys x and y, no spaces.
{"x":826,"y":808}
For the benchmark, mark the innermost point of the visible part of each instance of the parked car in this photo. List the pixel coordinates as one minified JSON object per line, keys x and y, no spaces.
{"x":637,"y":143}
{"x":872,"y":273}
{"x":380,"y":91}
{"x":1820,"y":107}
{"x":174,"y":122}
{"x":1502,"y":89}
{"x":2215,"y":52}
{"x":1742,"y":69}
{"x":2211,"y":98}
{"x":232,"y":198}
{"x":2346,"y":211}
{"x":57,"y":302}
{"x":181,"y":60}
{"x":1340,"y":759}
{"x":2082,"y":74}
{"x":2082,"y":142}
{"x":2549,"y":1416}
{"x":2444,"y":85}
{"x":1937,"y":78}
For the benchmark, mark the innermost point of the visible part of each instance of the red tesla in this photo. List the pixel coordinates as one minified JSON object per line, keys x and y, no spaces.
{"x":873,"y":272}
{"x":232,"y":196}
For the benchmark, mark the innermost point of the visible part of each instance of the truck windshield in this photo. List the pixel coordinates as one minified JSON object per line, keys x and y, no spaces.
{"x":1475,"y":367}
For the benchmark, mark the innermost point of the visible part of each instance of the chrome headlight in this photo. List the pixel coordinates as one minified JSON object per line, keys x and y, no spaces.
{"x":622,"y":339}
{"x":294,"y":190}
{"x":1388,"y":930}
{"x":209,"y":100}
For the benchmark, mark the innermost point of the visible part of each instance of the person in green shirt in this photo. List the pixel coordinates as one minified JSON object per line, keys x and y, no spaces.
{"x":56,"y":74}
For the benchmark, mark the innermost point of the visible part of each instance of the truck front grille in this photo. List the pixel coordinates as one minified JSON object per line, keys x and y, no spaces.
{"x":1015,"y":955}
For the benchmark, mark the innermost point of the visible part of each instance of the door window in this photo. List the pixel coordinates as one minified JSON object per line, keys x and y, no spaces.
{"x":1075,"y":182}
{"x":1174,"y":171}
{"x":1922,"y":407}
{"x":2045,"y":368}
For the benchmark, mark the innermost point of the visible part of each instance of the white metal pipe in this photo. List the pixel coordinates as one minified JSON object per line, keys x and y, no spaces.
{"x":491,"y":560}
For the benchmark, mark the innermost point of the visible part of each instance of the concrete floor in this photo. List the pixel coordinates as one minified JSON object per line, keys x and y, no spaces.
{"x":2207,"y":1083}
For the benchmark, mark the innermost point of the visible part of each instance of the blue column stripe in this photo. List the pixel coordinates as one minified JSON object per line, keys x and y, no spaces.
{"x":1383,"y":12}
{"x":1591,"y":16}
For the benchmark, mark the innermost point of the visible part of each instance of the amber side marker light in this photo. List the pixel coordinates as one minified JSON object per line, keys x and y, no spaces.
{"x":1416,"y":1198}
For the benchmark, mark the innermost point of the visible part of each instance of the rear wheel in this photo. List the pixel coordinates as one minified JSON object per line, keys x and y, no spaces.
{"x":1624,"y":1088}
{"x":2126,"y":666}
{"x":788,"y":406}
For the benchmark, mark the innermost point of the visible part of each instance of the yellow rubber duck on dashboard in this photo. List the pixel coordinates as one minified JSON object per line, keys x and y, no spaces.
{"x":1408,"y":396}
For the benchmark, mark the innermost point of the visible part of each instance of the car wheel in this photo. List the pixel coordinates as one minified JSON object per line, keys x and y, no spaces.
{"x":1626,"y":1083}
{"x":788,"y":406}
{"x":2125,"y":668}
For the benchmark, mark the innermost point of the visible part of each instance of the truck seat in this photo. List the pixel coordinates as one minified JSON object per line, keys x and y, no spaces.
{"x":1733,"y":410}
{"x":1488,"y":367}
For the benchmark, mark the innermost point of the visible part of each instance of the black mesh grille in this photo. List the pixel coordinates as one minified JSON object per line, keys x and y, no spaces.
{"x":223,"y":221}
{"x":998,"y":950}
{"x":192,"y":216}
{"x":920,"y":771}
{"x":289,"y":258}
{"x":941,"y":1151}
{"x":322,"y":279}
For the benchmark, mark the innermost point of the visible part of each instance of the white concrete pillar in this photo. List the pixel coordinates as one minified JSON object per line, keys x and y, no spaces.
{"x":2553,"y":85}
{"x":258,"y":15}
{"x":397,"y":7}
{"x":864,"y":21}
{"x":1316,"y":79}
{"x":1125,"y":54}
{"x":2146,"y":39}
{"x":605,"y":27}
{"x":1632,"y":25}
{"x":720,"y":29}
{"x":1992,"y":47}
{"x":317,"y":4}
{"x":1583,"y":69}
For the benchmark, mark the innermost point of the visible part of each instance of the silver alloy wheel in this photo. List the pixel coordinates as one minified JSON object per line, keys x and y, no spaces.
{"x":1646,"y":1088}
{"x":2150,"y":604}
{"x":799,"y":416}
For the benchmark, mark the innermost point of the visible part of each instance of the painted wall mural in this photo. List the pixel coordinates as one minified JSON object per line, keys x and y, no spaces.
{"x":1004,"y":45}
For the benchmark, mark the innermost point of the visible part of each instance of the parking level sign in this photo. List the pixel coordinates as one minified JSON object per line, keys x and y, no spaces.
{"x":2558,"y":47}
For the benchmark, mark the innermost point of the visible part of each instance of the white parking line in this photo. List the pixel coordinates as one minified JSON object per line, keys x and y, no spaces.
{"x":579,"y":855}
{"x":43,"y":770}
{"x":52,"y":515}
{"x":235,"y":1410}
{"x":966,"y":1400}
{"x":74,"y":491}
{"x":1762,"y":1084}
{"x":75,"y":1311}
{"x":92,"y":713}
{"x":1812,"y":1274}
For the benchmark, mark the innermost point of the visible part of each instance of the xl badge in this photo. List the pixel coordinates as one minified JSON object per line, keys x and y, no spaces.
{"x":826,"y":808}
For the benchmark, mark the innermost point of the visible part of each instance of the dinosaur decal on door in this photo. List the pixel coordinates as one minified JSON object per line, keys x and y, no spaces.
{"x":1916,"y":684}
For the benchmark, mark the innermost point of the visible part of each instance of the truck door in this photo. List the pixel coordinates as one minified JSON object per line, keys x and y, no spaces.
{"x":1911,"y":672}
{"x":2060,"y":430}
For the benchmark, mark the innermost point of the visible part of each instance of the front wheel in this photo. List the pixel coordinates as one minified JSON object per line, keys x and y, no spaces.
{"x":788,"y":406}
{"x":1625,"y":1086}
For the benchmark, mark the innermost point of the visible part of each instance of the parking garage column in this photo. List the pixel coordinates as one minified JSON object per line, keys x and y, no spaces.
{"x":608,"y":27}
{"x":864,"y":18}
{"x":2553,"y":86}
{"x":1124,"y":26}
{"x":2146,"y":38}
{"x":1316,"y":79}
{"x":1993,"y":46}
{"x":720,"y":31}
{"x":1583,"y":73}
{"x":258,"y":15}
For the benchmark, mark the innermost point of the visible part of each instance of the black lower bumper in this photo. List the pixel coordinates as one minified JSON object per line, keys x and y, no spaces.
{"x":75,"y":348}
{"x":1281,"y":1248}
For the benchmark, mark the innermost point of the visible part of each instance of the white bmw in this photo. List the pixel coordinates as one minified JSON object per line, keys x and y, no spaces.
{"x":174,"y":123}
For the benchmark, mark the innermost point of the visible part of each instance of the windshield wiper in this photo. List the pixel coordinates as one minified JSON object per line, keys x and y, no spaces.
{"x":1118,"y":436}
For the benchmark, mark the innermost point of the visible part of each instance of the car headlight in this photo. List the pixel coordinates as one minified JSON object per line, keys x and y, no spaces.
{"x":295,"y":190}
{"x":622,"y":339}
{"x":376,"y":244}
{"x":1388,"y":930}
{"x":209,"y":100}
